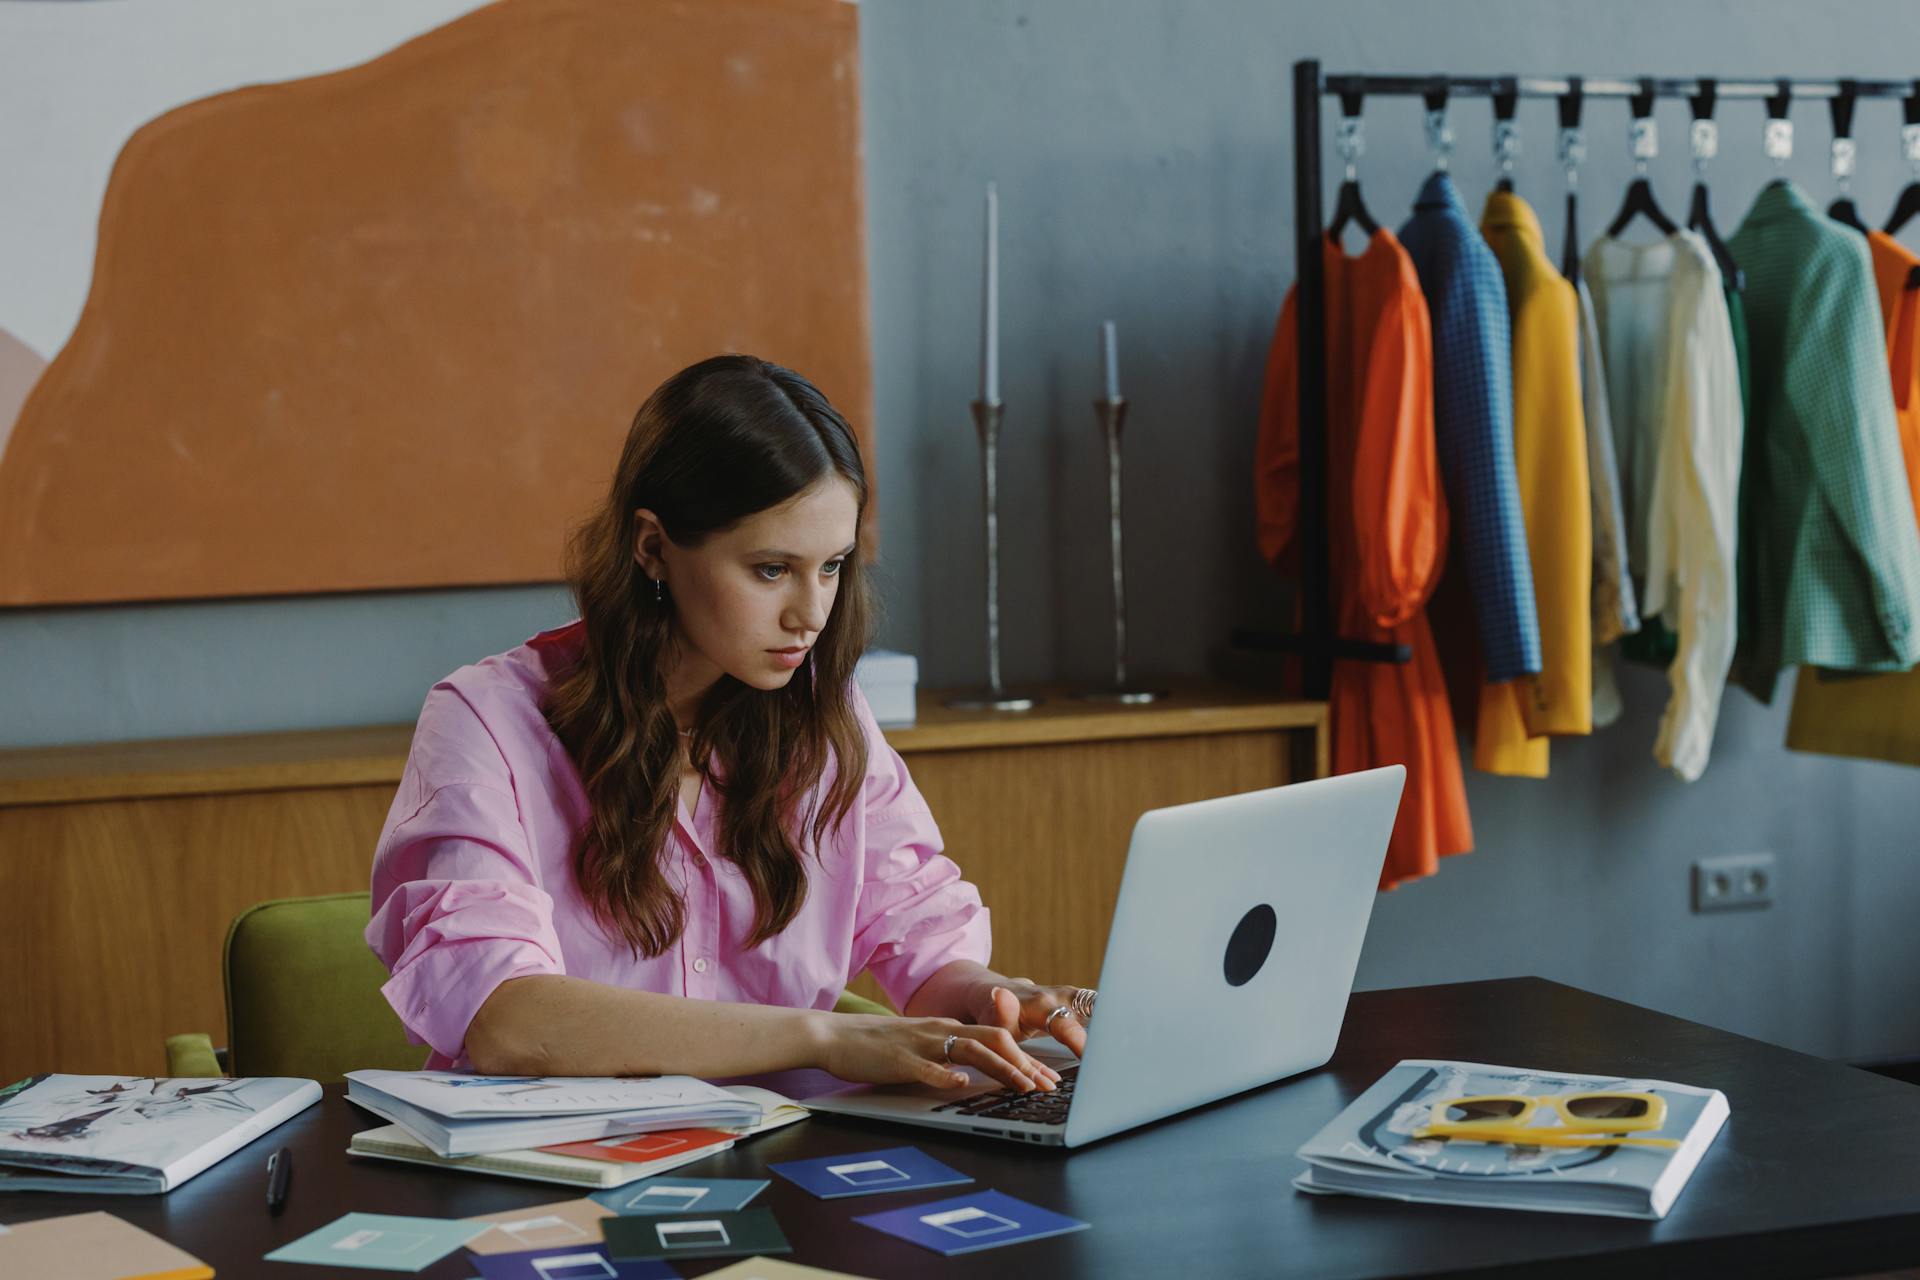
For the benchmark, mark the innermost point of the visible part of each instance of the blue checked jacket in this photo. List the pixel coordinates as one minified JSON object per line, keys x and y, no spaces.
{"x":1473,"y":422}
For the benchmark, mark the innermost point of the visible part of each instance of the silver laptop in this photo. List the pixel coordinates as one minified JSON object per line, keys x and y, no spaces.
{"x":1228,"y":966}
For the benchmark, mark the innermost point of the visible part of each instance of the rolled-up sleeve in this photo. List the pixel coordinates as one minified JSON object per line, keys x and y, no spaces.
{"x":917,"y":913}
{"x":457,"y":908}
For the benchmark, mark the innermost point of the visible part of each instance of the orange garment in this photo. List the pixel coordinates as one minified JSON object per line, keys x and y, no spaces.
{"x":1893,"y":266}
{"x":1386,"y":535}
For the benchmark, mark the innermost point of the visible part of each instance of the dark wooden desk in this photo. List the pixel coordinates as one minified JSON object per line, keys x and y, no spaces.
{"x":1816,"y":1174}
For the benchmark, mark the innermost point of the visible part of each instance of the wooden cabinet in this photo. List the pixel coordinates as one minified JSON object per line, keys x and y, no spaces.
{"x":122,"y":865}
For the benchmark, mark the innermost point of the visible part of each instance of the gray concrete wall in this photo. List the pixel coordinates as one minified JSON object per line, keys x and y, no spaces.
{"x":1143,"y":155}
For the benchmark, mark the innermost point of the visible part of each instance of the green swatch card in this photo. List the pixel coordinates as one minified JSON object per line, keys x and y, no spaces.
{"x":380,"y":1242}
{"x":694,"y":1235}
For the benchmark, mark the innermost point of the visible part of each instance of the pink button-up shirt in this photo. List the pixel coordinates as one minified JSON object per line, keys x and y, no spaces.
{"x":473,"y":878}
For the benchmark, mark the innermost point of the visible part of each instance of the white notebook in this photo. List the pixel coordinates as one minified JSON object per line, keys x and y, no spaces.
{"x":391,"y":1142}
{"x":135,"y":1134}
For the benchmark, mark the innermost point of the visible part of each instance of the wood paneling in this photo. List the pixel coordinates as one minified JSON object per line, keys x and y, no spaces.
{"x":114,"y":913}
{"x":121,"y":866}
{"x":205,"y":766}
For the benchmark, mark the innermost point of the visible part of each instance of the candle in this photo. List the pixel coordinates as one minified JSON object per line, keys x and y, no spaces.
{"x":1110,"y":360}
{"x":990,"y":322}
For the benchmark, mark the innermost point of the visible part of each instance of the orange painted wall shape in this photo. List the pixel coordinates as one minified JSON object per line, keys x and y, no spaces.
{"x":386,"y":328}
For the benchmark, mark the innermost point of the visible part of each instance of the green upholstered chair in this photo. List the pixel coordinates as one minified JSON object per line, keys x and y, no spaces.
{"x":303,"y":997}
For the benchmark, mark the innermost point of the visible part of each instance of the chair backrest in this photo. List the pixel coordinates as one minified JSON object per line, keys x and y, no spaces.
{"x":303,"y":992}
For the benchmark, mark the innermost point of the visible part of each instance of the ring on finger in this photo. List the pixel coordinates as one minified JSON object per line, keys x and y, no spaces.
{"x":1063,"y":1009}
{"x":946,"y":1050}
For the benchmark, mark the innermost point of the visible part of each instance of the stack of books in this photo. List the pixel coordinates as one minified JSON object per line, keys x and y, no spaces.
{"x":580,"y":1131}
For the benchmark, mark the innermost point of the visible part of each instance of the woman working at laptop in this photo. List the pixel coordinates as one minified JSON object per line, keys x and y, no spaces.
{"x":661,"y":840}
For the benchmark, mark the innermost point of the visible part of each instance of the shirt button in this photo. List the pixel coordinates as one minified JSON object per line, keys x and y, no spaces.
{"x":700,"y":966}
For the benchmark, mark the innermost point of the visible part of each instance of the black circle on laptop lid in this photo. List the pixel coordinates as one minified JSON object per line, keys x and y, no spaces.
{"x":1250,"y":945}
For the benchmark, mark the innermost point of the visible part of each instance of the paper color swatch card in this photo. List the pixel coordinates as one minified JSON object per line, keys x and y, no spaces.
{"x":380,"y":1242}
{"x":644,"y":1148}
{"x":565,"y":1224}
{"x":869,"y":1173}
{"x":568,"y":1264}
{"x":774,"y":1269}
{"x":669,"y":1193}
{"x":92,"y":1246}
{"x":969,"y":1223}
{"x":690,"y":1235}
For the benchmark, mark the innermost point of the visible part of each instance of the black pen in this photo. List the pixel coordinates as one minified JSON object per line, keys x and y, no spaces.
{"x":279,"y":1174}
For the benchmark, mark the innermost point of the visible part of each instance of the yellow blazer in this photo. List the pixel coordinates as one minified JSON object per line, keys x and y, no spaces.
{"x":1550,"y":457}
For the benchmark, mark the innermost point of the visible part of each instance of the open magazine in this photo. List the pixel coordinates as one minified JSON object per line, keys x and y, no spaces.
{"x":1370,"y":1148}
{"x":456,"y":1114}
{"x":134,"y":1134}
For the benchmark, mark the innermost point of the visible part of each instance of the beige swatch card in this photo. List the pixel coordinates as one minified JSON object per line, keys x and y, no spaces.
{"x":774,"y":1269}
{"x":544,"y":1226}
{"x":92,"y":1246}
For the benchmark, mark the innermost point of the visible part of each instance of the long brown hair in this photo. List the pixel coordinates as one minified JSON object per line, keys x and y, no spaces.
{"x":714,"y":444}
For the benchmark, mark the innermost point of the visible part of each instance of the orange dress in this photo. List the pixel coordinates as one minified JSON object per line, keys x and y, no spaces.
{"x":1386,"y":537}
{"x":1893,"y":267}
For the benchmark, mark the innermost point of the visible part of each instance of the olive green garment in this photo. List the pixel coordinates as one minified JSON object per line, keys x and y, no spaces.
{"x":1654,"y":644}
{"x":1834,"y":556}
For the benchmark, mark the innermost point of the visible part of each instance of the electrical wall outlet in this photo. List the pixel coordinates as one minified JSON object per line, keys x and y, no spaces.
{"x":1733,"y":882}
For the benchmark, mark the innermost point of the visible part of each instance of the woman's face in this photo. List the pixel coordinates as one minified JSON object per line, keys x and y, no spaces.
{"x":750,"y":602}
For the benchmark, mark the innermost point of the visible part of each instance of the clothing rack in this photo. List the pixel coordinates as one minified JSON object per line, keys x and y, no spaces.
{"x":1317,"y":641}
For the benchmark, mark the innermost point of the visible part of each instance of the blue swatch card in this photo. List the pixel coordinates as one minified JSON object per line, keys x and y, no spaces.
{"x":967,"y":1224}
{"x":590,"y":1263}
{"x":380,"y":1242}
{"x":869,"y":1173}
{"x":667,"y":1193}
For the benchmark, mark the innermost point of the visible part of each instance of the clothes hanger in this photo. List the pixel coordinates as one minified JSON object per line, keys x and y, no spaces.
{"x":1908,"y":204}
{"x":1705,"y":142}
{"x":1347,"y":205}
{"x":1778,"y":138}
{"x":1439,"y":132}
{"x":1506,"y":134}
{"x":1573,"y":150}
{"x":1646,"y":144}
{"x":1842,"y":209}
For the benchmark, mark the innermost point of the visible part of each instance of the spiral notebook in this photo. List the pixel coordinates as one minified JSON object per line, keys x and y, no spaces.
{"x":391,"y":1142}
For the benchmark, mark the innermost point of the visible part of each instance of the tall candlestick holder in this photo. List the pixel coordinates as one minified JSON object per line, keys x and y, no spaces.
{"x":986,"y":422}
{"x":1112,"y":412}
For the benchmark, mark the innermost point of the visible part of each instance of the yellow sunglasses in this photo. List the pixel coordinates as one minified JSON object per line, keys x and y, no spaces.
{"x":1601,"y":1118}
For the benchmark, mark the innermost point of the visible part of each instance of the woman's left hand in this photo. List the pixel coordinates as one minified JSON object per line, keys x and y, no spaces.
{"x":1021,"y":1006}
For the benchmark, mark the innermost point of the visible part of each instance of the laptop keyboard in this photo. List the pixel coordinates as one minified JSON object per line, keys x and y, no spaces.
{"x":1037,"y":1107}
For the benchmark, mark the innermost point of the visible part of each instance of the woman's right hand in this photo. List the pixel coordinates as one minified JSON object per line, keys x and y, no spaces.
{"x":879,"y":1049}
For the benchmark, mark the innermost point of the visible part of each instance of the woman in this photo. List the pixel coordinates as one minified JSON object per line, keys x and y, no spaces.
{"x":663,"y":838}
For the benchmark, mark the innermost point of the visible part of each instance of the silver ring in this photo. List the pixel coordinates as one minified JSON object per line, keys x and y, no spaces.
{"x":1048,"y":1025}
{"x":946,"y":1050}
{"x":1083,"y":998}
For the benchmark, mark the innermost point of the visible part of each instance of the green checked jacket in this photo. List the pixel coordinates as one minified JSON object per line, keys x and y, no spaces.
{"x":1829,"y":547}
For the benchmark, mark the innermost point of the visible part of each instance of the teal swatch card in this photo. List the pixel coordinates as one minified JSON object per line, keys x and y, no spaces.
{"x":380,"y":1242}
